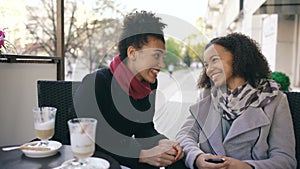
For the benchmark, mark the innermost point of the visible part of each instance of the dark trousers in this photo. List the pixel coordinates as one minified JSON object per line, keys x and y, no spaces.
{"x":177,"y":165}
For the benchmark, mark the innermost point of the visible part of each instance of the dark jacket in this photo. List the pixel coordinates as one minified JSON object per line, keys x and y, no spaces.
{"x":125,"y":125}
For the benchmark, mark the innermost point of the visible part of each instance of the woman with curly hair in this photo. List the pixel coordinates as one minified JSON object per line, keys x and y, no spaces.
{"x":242,"y":119}
{"x":122,"y":98}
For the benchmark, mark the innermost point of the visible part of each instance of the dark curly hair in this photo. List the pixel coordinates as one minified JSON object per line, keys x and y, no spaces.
{"x":136,"y":28}
{"x":248,"y":61}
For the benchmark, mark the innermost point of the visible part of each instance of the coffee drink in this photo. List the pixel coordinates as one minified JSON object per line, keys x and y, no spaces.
{"x":44,"y":134}
{"x":82,"y":145}
{"x":44,"y":130}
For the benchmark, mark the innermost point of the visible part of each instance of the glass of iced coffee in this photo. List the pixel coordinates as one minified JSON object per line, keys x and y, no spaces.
{"x":44,"y":122}
{"x":82,"y":136}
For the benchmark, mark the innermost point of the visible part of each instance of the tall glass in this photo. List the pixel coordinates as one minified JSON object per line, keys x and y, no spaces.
{"x":44,"y":122}
{"x":82,"y":134}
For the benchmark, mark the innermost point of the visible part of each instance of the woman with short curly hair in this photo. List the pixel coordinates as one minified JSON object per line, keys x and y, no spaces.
{"x":242,"y":119}
{"x":122,"y":98}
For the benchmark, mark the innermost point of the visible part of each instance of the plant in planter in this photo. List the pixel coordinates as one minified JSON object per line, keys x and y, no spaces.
{"x":281,"y":79}
{"x":2,"y":41}
{"x":5,"y":45}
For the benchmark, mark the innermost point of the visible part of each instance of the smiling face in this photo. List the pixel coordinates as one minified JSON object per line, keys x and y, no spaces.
{"x":147,"y":61}
{"x":218,"y":62}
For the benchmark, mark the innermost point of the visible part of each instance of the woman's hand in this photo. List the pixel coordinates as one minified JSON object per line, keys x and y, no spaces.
{"x":159,"y":156}
{"x":164,"y":154}
{"x":175,"y":145}
{"x":229,"y":163}
{"x":201,"y":163}
{"x":237,"y":164}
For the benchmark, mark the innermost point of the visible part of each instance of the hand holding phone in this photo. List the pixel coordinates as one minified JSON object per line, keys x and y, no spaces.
{"x":214,"y":160}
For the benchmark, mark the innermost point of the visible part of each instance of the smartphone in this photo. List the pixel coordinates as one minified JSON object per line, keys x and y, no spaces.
{"x":214,"y":160}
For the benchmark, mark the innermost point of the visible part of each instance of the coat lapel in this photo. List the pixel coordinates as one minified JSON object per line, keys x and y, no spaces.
{"x":210,"y":123}
{"x":252,"y":118}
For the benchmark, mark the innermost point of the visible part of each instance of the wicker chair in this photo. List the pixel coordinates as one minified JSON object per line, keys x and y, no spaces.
{"x":59,"y":94}
{"x":294,"y":103}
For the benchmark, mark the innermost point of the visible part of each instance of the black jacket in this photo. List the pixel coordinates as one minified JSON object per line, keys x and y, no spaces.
{"x":125,"y":125}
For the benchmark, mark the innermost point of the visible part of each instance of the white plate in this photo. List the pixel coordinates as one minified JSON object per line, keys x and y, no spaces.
{"x":53,"y":145}
{"x":93,"y":163}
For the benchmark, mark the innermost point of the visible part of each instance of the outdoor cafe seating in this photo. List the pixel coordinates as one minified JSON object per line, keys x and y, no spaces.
{"x":59,"y":94}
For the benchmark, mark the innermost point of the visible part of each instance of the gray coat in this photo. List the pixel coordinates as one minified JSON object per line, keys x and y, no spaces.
{"x":262,"y":137}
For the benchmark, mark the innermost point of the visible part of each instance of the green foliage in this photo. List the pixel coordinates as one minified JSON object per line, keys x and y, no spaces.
{"x":196,"y":51}
{"x":281,"y":79}
{"x":197,"y":41}
{"x":173,"y":52}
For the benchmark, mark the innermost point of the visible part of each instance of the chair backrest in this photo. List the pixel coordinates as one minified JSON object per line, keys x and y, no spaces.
{"x":59,"y":94}
{"x":294,"y":103}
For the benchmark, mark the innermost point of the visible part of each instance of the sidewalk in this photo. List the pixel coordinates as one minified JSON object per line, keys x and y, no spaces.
{"x":170,"y":118}
{"x":174,"y":96}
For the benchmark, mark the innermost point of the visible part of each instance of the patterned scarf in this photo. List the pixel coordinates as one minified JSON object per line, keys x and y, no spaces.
{"x":128,"y":82}
{"x":235,"y":102}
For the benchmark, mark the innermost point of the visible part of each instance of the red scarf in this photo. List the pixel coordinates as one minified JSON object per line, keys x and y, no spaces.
{"x":128,"y":82}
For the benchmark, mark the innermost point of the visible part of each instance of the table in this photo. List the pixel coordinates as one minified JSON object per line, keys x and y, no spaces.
{"x":15,"y":159}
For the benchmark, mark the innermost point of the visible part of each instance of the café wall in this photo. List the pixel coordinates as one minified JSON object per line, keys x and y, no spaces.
{"x":287,"y":49}
{"x":18,"y":95}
